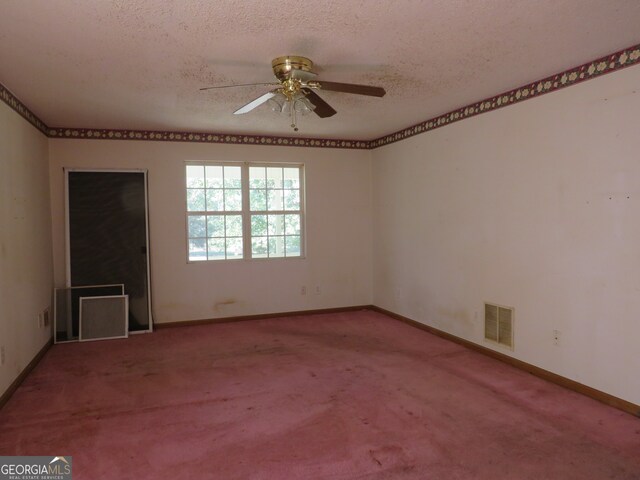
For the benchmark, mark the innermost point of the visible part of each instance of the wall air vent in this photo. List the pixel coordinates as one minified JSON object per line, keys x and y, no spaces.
{"x":498,"y":324}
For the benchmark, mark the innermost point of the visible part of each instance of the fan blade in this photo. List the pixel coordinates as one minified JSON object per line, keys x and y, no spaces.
{"x":349,"y":88}
{"x":323,"y":109}
{"x":240,"y":85}
{"x":256,"y":103}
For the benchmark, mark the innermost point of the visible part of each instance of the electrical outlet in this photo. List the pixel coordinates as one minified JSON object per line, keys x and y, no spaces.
{"x":2,"y":357}
{"x":303,"y":290}
{"x":556,"y":338}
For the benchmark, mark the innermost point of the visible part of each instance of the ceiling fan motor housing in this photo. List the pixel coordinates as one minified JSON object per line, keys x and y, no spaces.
{"x":283,"y":66}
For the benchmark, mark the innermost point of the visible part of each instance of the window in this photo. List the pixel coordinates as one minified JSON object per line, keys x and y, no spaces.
{"x":248,"y":210}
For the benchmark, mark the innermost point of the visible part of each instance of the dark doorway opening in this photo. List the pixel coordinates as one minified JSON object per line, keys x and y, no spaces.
{"x":108,"y":236}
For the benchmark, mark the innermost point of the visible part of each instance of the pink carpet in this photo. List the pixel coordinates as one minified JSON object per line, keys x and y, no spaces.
{"x":342,"y":396}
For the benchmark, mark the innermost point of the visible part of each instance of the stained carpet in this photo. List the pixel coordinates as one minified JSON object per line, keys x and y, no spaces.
{"x":343,"y":396}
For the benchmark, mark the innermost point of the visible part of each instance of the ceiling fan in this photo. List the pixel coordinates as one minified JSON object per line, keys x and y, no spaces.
{"x":294,"y":93}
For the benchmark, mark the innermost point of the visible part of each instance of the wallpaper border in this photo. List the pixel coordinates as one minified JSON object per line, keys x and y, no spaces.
{"x":200,"y":137}
{"x":13,"y":102}
{"x":595,"y":68}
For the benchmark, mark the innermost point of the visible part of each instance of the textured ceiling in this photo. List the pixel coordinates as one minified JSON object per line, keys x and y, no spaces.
{"x":138,"y":64}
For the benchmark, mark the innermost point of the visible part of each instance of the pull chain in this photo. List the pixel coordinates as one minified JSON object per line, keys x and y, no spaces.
{"x":293,"y":117}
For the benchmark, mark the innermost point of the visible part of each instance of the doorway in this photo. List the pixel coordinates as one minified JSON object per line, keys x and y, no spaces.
{"x":108,"y":235}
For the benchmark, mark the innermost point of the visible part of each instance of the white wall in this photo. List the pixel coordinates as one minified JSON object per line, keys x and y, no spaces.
{"x":338,"y":195}
{"x":535,"y":206}
{"x":25,"y":243}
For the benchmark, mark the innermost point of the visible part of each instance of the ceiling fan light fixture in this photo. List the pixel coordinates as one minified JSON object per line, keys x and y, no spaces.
{"x":279,"y":103}
{"x":291,"y":105}
{"x":302,"y":105}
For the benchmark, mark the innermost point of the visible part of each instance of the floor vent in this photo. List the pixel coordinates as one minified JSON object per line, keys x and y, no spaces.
{"x":498,"y":324}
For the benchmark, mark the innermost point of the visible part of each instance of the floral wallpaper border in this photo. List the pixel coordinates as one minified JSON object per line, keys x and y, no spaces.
{"x":10,"y":99}
{"x":607,"y":64}
{"x":616,"y":61}
{"x":228,"y":138}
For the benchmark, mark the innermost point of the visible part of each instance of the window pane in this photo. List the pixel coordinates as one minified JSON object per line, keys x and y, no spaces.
{"x":197,"y":250}
{"x":216,"y":249}
{"x":216,"y":216}
{"x":274,"y":199}
{"x":276,"y":225}
{"x":232,"y":177}
{"x":215,"y":200}
{"x":274,"y":177}
{"x":195,"y":176}
{"x":259,"y":247}
{"x":214,"y":177}
{"x":197,"y":226}
{"x":233,"y":200}
{"x":257,"y":177}
{"x":291,"y":178}
{"x":292,"y":245}
{"x":258,"y":200}
{"x":234,"y":226}
{"x":259,"y":225}
{"x":292,"y":199}
{"x":195,"y":199}
{"x":234,"y":248}
{"x":276,"y":246}
{"x":215,"y":225}
{"x":292,"y":224}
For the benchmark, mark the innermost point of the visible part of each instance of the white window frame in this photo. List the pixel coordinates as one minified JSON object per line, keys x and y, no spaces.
{"x":246,"y":212}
